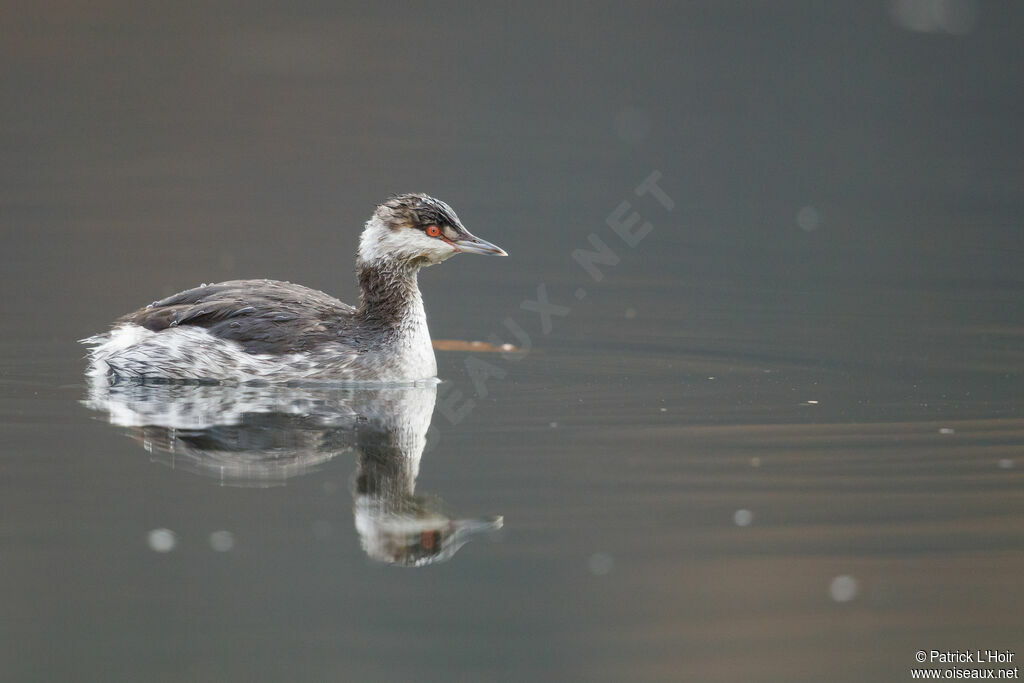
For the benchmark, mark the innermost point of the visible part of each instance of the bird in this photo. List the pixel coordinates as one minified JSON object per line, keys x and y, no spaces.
{"x":269,"y":331}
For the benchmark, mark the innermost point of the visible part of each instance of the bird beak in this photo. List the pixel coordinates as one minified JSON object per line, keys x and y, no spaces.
{"x":474,"y":245}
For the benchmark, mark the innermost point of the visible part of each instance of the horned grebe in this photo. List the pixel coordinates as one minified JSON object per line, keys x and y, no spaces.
{"x":265,"y":330}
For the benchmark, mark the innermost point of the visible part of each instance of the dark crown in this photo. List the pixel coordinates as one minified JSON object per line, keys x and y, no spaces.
{"x":417,"y":211}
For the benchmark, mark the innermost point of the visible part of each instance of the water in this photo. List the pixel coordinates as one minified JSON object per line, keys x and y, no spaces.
{"x":780,"y":439}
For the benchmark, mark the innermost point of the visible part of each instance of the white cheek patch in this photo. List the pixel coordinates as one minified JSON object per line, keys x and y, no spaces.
{"x":380,"y":242}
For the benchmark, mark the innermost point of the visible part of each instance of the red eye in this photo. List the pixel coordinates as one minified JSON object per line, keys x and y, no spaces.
{"x":433,"y":230}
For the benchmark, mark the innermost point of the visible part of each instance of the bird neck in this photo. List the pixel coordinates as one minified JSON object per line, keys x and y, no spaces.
{"x":389,"y":292}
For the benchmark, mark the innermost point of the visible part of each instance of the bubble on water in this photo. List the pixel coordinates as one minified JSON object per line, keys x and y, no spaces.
{"x":956,"y":17}
{"x":743,"y":517}
{"x":162,"y":540}
{"x":600,"y":564}
{"x":947,"y":430}
{"x":630,"y":313}
{"x":222,"y":541}
{"x":807,"y":218}
{"x":1005,"y":463}
{"x":632,"y":125}
{"x":843,"y":588}
{"x":553,"y":425}
{"x":755,"y":461}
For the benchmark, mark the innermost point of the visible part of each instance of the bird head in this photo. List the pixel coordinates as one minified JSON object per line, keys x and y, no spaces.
{"x":418,"y":230}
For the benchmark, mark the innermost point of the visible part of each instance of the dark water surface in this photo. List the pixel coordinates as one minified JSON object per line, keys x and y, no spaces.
{"x":780,"y":439}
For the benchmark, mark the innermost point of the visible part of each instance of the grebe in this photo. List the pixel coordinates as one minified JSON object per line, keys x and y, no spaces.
{"x":266,"y":330}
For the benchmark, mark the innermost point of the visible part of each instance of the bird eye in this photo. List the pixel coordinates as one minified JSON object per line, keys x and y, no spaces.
{"x":433,"y":230}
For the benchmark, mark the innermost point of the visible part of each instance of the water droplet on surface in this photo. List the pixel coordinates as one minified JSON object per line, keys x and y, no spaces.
{"x":956,"y":17}
{"x":162,"y":540}
{"x":843,"y":588}
{"x":743,"y":517}
{"x":807,"y":218}
{"x":222,"y":541}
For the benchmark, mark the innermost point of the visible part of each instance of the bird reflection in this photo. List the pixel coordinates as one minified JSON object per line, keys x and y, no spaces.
{"x":263,"y":436}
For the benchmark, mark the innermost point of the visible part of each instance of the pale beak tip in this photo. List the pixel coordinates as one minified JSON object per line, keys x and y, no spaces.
{"x":475,"y":245}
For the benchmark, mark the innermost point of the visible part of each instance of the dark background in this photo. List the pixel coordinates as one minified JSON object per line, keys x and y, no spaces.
{"x":848,"y":185}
